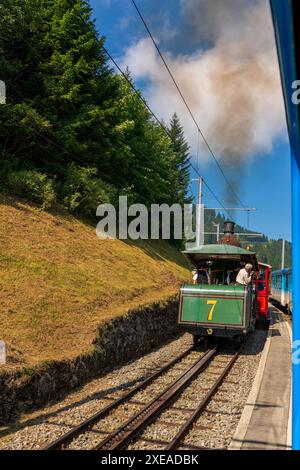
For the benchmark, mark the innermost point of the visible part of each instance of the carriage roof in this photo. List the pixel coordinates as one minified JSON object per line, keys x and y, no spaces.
{"x":220,"y":252}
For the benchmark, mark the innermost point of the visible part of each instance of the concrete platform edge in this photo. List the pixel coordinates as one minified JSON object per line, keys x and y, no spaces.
{"x":241,"y":430}
{"x":289,"y":430}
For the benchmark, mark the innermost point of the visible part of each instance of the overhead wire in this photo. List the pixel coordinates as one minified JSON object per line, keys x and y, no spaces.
{"x":147,"y":106}
{"x":185,"y":103}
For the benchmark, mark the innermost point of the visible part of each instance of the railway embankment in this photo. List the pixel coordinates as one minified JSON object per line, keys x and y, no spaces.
{"x":124,"y":338}
{"x":73,"y":305}
{"x":102,"y":397}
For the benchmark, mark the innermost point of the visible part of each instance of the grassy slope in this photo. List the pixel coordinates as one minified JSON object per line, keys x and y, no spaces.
{"x":59,"y":281}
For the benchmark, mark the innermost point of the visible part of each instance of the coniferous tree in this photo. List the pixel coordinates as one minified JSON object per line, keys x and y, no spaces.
{"x":57,"y":81}
{"x":181,"y":159}
{"x":72,"y":128}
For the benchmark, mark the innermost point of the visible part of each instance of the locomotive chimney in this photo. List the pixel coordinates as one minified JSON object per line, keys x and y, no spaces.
{"x":228,"y":237}
{"x":229,"y":228}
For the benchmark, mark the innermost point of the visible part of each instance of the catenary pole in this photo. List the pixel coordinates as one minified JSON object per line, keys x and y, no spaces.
{"x":199,"y":215}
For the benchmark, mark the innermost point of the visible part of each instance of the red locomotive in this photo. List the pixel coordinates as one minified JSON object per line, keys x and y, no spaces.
{"x":263,"y":287}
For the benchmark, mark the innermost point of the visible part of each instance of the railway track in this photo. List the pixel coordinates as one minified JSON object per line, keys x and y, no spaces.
{"x":62,"y":442}
{"x":126,"y":433}
{"x":281,"y":308}
{"x":187,"y":426}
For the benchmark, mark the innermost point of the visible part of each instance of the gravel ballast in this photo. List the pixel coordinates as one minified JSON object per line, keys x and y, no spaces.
{"x":217,"y":423}
{"x":34,"y":430}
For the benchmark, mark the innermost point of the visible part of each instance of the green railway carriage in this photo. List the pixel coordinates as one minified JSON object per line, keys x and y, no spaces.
{"x":216,"y":309}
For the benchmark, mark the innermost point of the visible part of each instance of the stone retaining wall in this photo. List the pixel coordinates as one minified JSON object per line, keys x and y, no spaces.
{"x":122,"y":339}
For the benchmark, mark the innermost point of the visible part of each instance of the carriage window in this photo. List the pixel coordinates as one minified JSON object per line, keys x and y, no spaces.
{"x":261,"y":280}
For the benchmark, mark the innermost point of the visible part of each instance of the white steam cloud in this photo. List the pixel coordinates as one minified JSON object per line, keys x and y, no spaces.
{"x":232,"y":84}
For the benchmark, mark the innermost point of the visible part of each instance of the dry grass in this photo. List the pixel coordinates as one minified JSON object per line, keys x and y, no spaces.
{"x":59,"y":281}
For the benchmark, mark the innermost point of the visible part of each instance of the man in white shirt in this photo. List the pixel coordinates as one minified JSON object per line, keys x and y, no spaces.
{"x":244,"y":276}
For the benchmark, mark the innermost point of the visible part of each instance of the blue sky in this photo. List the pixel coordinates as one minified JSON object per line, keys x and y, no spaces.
{"x":265,"y":183}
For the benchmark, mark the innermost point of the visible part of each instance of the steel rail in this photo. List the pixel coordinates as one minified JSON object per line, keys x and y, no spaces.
{"x":65,"y":439}
{"x":174,"y":444}
{"x":276,"y":304}
{"x":126,"y":432}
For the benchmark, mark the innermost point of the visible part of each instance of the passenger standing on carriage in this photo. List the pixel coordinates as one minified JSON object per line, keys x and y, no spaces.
{"x":244,"y":277}
{"x":195,"y":276}
{"x":231,"y":276}
{"x":202,"y":275}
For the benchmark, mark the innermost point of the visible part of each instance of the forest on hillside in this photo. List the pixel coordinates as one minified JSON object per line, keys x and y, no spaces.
{"x":73,"y":131}
{"x":268,"y":251}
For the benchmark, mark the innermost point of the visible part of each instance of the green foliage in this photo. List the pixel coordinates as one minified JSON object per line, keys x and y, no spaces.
{"x":181,"y":159}
{"x":59,"y":87}
{"x":71,"y":118}
{"x":32,"y":185}
{"x":82,"y":191}
{"x":268,"y":251}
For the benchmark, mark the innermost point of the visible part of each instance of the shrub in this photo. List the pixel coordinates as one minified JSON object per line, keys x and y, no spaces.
{"x":82,"y":191}
{"x":32,"y":185}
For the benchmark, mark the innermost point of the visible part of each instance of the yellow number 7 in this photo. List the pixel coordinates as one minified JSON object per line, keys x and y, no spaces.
{"x":213,"y":304}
